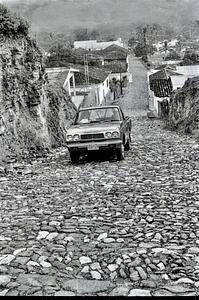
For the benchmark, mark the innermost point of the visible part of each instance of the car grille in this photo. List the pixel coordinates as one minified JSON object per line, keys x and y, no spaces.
{"x":92,"y":136}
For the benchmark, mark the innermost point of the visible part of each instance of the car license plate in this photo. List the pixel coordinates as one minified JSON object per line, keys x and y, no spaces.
{"x":93,"y":147}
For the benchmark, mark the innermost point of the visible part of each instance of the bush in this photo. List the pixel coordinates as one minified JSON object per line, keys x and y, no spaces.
{"x":12,"y":24}
{"x":190,"y":58}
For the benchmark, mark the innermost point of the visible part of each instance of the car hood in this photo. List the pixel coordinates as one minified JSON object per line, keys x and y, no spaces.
{"x":94,"y":127}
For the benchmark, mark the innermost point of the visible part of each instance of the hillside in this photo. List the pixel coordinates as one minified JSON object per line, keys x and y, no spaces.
{"x":33,"y":115}
{"x":65,"y":15}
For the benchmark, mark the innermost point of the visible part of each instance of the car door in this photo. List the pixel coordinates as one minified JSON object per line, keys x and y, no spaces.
{"x":124,"y":127}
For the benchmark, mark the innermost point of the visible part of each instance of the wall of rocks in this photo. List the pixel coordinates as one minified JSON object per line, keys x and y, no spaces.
{"x":33,"y":115}
{"x":182,"y":113}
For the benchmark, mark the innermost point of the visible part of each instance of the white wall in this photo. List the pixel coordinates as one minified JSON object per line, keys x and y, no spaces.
{"x":103,"y":89}
{"x":154,"y":102}
{"x":77,"y":100}
{"x":95,"y":45}
{"x":178,"y":81}
{"x":100,"y":89}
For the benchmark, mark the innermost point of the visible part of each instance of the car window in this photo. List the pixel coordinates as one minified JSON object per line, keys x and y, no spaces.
{"x":98,"y":115}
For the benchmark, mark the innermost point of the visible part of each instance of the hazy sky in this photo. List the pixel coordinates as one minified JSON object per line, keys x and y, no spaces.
{"x":54,"y":14}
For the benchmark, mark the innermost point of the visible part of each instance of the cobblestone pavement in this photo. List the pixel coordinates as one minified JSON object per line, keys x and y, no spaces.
{"x":105,"y":227}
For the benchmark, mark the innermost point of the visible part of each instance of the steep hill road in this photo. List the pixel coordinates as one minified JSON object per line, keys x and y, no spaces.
{"x":105,"y":227}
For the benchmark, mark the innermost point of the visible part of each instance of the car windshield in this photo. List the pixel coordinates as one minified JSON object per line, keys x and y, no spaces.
{"x":95,"y":115}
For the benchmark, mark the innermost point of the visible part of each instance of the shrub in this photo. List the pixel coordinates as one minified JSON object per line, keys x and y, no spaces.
{"x":12,"y":25}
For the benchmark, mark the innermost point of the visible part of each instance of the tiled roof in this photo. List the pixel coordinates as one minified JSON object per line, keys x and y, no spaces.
{"x":161,"y":87}
{"x":98,"y":74}
{"x":158,"y":75}
{"x":115,"y":48}
{"x":161,"y":83}
{"x":164,"y":73}
{"x":58,"y":75}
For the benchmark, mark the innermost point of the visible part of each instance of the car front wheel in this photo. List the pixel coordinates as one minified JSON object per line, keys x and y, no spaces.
{"x":120,"y":152}
{"x":74,"y":156}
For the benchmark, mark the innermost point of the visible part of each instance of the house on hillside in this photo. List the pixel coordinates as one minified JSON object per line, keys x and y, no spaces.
{"x":96,"y":80}
{"x":184,"y":73}
{"x":115,"y":59}
{"x":160,"y":87}
{"x":97,"y":45}
{"x":118,"y":71}
{"x":65,"y":77}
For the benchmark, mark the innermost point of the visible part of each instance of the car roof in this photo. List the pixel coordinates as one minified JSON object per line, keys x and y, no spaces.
{"x":95,"y":107}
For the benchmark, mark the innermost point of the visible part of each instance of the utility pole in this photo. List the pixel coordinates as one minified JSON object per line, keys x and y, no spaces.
{"x":121,"y":78}
{"x":86,"y":69}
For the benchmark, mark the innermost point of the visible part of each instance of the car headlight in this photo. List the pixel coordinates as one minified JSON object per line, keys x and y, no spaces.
{"x":76,"y":137}
{"x":108,"y":135}
{"x":115,"y":134}
{"x":69,"y":137}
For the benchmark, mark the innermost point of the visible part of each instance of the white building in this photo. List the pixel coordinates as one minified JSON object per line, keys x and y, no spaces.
{"x":96,"y":45}
{"x":96,"y":84}
{"x":185,"y":73}
{"x":66,"y":78}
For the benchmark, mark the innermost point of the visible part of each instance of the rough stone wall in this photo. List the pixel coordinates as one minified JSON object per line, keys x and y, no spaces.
{"x":29,"y":117}
{"x":183,"y":110}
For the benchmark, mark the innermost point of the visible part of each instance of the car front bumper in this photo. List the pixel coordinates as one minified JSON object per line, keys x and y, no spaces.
{"x":94,"y":146}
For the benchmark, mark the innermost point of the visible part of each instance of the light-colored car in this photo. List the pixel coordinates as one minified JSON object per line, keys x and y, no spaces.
{"x":99,"y":128}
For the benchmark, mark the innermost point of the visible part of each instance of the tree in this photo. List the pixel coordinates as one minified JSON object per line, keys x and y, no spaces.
{"x":132,"y":42}
{"x":94,"y":35}
{"x":110,"y":38}
{"x":12,"y":25}
{"x":144,"y":45}
{"x":190,"y":58}
{"x":172,"y":55}
{"x":81,"y":34}
{"x":84,"y":34}
{"x":143,"y":50}
{"x":60,"y":55}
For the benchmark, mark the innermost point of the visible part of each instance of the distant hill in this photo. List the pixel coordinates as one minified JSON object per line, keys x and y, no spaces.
{"x":65,"y":15}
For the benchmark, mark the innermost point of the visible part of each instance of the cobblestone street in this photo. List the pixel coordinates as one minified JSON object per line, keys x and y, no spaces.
{"x":105,"y":227}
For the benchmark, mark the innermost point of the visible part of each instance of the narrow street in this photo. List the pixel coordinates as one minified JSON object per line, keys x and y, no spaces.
{"x":105,"y":227}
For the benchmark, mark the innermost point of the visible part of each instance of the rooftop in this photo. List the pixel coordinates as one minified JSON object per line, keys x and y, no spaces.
{"x":162,"y":87}
{"x":189,"y":71}
{"x":59,"y":75}
{"x":99,"y":74}
{"x":164,"y":73}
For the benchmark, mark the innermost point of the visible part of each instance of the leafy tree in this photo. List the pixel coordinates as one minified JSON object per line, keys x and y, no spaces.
{"x":94,"y":35}
{"x":132,"y":42}
{"x":60,"y":55}
{"x":81,"y":34}
{"x":84,"y":34}
{"x":110,"y":38}
{"x":190,"y":58}
{"x":12,"y":24}
{"x":172,"y":55}
{"x":144,"y":46}
{"x":143,"y":50}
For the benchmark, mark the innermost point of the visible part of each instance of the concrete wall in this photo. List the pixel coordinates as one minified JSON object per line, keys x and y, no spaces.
{"x":99,"y":91}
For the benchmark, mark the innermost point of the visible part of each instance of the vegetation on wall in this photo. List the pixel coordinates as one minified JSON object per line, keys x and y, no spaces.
{"x":182,"y":112}
{"x":11,"y":25}
{"x":34,"y":119}
{"x":60,"y":112}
